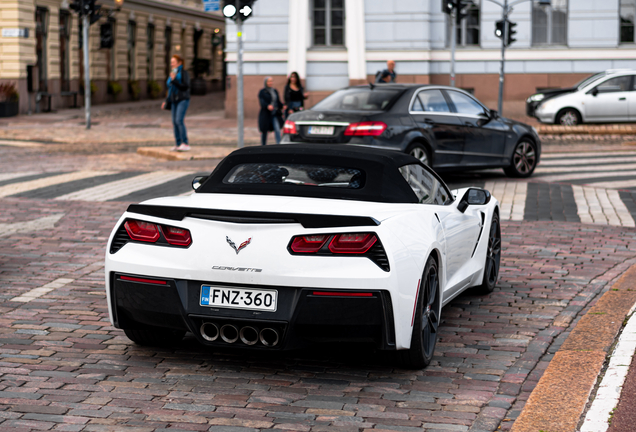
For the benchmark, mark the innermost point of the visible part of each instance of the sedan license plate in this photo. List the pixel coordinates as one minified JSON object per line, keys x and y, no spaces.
{"x":239,"y":298}
{"x":320,"y":130}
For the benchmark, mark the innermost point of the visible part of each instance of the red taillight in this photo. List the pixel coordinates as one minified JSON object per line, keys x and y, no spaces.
{"x":308,"y":244}
{"x":368,"y":128}
{"x":290,"y":127}
{"x":176,"y":236}
{"x":357,"y":243}
{"x":342,"y":294}
{"x":142,"y":231}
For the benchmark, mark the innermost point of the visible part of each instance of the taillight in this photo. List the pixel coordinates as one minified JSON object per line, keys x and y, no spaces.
{"x":308,"y":244}
{"x":176,"y":236}
{"x":357,"y":243}
{"x":290,"y":127}
{"x":369,"y":128}
{"x":142,"y":231}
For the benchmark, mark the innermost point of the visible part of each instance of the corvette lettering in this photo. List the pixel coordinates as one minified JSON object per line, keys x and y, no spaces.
{"x":239,"y":269}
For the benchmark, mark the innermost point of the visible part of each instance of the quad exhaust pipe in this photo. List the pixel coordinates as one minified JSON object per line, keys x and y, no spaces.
{"x":249,"y":335}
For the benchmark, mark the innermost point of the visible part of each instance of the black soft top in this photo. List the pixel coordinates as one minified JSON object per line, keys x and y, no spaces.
{"x":384,"y":183}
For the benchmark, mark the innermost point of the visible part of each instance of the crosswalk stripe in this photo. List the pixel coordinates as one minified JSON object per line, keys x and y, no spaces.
{"x":512,"y":198}
{"x":601,"y":206}
{"x":583,"y":161}
{"x":11,"y":176}
{"x":583,"y":169}
{"x":618,"y":184}
{"x":119,"y":188}
{"x":580,"y":176}
{"x":16,"y":188}
{"x":587,"y":154}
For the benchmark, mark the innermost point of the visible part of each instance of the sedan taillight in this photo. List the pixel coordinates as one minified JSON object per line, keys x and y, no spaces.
{"x":290,"y":128}
{"x":368,"y":128}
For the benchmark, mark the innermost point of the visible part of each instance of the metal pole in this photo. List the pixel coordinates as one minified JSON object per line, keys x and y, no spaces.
{"x":87,"y":78}
{"x":239,"y":79}
{"x":504,"y":38}
{"x":453,"y":17}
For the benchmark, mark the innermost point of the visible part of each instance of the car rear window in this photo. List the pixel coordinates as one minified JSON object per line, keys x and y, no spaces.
{"x":358,"y":99}
{"x":295,"y":174}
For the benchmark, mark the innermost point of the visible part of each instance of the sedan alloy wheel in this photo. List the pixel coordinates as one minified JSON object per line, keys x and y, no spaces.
{"x":524,"y":160}
{"x":419,"y":152}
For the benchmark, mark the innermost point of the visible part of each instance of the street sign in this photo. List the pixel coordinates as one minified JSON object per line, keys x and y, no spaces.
{"x":211,"y":5}
{"x":15,"y":32}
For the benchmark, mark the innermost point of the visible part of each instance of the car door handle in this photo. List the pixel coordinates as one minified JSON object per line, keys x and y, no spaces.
{"x":622,"y":98}
{"x":469,"y":124}
{"x":429,"y":121}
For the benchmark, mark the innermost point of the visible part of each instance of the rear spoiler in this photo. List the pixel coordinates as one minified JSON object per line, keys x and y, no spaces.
{"x":253,"y":217}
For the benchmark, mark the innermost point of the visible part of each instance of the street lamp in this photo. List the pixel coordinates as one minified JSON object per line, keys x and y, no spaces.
{"x":504,"y":29}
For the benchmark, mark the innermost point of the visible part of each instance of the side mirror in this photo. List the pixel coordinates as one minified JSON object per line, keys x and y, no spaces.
{"x":198,"y":181}
{"x":594,"y":91}
{"x":473,"y":197}
{"x":493,"y":114}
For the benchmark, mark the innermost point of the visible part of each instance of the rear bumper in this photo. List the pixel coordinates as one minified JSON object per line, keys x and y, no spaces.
{"x":301,"y":318}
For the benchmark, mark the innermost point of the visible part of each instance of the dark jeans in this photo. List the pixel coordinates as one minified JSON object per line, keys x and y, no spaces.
{"x":178,"y":115}
{"x":276,"y":130}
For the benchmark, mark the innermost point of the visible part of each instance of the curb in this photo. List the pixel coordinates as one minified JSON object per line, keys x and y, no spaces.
{"x":559,"y":399}
{"x":197,"y":153}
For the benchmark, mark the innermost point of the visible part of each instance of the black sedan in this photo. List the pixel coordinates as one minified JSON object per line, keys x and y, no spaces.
{"x":444,"y":127}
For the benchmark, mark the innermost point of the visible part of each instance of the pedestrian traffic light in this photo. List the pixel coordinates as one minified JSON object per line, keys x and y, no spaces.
{"x":511,"y":33}
{"x":499,"y":29}
{"x":448,"y":6}
{"x":233,"y":9}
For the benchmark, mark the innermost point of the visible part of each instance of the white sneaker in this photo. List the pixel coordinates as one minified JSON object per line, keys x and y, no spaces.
{"x":183,"y":147}
{"x":175,"y":148}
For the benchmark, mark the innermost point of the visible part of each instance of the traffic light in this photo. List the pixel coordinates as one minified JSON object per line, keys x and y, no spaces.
{"x":76,"y":6}
{"x":448,"y":6}
{"x":511,"y":33}
{"x":233,"y":9}
{"x":87,"y":7}
{"x":499,"y":29}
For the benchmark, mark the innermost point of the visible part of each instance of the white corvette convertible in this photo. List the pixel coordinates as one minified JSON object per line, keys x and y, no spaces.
{"x":283,"y":246}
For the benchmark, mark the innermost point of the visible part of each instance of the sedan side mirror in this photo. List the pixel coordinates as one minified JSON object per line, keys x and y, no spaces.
{"x":473,"y":197}
{"x":493,"y":114}
{"x":198,"y":181}
{"x":594,"y":91}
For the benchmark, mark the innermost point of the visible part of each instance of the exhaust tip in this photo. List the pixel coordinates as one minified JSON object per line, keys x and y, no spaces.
{"x":229,"y":333}
{"x":209,"y":331}
{"x":269,"y":337}
{"x":249,"y":335}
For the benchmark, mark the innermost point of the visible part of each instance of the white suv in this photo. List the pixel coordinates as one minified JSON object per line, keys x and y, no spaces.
{"x":609,"y":96}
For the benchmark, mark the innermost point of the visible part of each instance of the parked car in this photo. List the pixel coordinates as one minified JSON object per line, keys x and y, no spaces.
{"x":289,"y":246}
{"x":603,"y":97}
{"x":444,"y":127}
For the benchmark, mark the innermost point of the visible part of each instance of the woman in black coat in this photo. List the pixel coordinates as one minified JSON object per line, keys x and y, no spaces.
{"x":271,"y":116}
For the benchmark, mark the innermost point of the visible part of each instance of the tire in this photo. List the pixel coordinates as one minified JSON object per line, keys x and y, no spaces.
{"x":493,"y":258}
{"x":524,"y":159}
{"x":568,"y":117}
{"x":155,"y":336}
{"x":426,"y":323}
{"x":420,"y":152}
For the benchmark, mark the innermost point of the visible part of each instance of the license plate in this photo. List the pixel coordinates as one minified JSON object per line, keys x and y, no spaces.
{"x":320,"y":130}
{"x":239,"y":298}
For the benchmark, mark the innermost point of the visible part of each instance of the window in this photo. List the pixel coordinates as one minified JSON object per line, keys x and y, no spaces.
{"x":468,"y":27}
{"x":65,"y":34}
{"x":328,"y":22}
{"x":167,"y":50}
{"x":430,"y":101}
{"x":150,"y":52}
{"x":627,"y":13}
{"x":550,"y":23}
{"x":465,"y":104}
{"x":41,"y":33}
{"x":296,"y":174}
{"x":618,"y":84}
{"x":132,"y":42}
{"x":427,"y":188}
{"x":357,"y":99}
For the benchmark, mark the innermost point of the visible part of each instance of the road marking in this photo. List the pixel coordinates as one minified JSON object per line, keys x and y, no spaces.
{"x":512,"y":198}
{"x":119,"y":188}
{"x":42,"y":223}
{"x":582,"y":169}
{"x":580,"y":176}
{"x":592,"y":161}
{"x":40,"y":291}
{"x":588,"y":154}
{"x":618,"y":184}
{"x":601,"y":206}
{"x":16,"y":188}
{"x":21,"y":143}
{"x":10,"y":176}
{"x":609,"y":391}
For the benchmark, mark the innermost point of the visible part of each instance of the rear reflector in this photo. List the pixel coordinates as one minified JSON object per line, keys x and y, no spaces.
{"x":176,"y":236}
{"x":342,"y":294}
{"x":356,"y":243}
{"x":290,"y":127}
{"x":150,"y":281}
{"x":142,"y":231}
{"x":308,"y":244}
{"x":368,"y":128}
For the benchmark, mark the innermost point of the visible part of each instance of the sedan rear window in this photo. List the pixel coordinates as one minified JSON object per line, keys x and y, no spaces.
{"x":295,"y":174}
{"x":358,"y":99}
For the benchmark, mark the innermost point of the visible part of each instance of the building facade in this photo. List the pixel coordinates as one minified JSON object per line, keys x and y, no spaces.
{"x":335,"y":43}
{"x":130,"y":49}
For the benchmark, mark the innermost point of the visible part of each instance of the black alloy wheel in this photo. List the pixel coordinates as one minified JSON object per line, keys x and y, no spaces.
{"x":426,"y":323}
{"x":493,"y":257}
{"x":420,"y":152}
{"x":568,"y":117}
{"x":524,"y":160}
{"x":155,"y":336}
